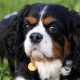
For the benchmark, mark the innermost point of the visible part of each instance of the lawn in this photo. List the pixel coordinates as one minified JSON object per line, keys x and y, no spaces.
{"x":9,"y":6}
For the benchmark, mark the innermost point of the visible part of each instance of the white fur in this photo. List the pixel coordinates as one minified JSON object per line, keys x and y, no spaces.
{"x":65,"y":72}
{"x":20,"y":78}
{"x":49,"y":69}
{"x":45,"y":46}
{"x":43,"y":11}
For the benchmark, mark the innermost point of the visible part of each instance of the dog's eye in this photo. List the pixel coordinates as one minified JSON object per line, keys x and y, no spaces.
{"x":53,"y":29}
{"x":27,"y":27}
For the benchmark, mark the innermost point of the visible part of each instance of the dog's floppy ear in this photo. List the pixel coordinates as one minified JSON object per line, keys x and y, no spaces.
{"x":20,"y":21}
{"x":74,"y":38}
{"x":22,"y":13}
{"x":14,"y":38}
{"x":74,"y":27}
{"x":73,"y":31}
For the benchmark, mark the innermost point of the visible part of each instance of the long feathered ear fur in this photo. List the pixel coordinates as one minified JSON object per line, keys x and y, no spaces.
{"x":14,"y":39}
{"x":73,"y":27}
{"x":76,"y":42}
{"x":19,"y":29}
{"x":73,"y":30}
{"x":20,"y":21}
{"x":22,"y":13}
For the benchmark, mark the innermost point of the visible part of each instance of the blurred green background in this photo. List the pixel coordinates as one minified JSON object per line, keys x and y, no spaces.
{"x":9,"y":6}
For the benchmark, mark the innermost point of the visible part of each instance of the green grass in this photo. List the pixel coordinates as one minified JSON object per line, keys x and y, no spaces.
{"x":5,"y":71}
{"x":9,"y":6}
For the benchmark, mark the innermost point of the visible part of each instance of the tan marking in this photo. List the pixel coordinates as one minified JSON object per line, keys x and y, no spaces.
{"x":66,"y":47}
{"x":32,"y":20}
{"x":59,"y":52}
{"x":75,"y":39}
{"x":44,"y":59}
{"x":48,"y":20}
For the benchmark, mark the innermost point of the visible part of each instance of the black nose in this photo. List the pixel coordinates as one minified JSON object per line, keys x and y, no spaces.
{"x":36,"y":37}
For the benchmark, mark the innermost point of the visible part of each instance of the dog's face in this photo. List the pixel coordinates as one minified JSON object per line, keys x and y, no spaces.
{"x":44,"y":27}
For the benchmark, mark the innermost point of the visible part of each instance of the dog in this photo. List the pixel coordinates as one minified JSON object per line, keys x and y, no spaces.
{"x":42,"y":42}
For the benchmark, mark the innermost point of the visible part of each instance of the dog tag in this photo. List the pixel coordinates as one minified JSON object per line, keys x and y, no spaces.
{"x":31,"y":67}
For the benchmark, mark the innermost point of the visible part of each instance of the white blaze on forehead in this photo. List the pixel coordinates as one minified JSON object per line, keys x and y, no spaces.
{"x":43,"y":11}
{"x":40,"y":25}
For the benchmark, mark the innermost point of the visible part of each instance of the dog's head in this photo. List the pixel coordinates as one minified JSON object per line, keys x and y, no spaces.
{"x":45,"y":31}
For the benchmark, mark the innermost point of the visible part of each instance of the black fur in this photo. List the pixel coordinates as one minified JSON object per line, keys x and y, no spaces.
{"x":12,"y":36}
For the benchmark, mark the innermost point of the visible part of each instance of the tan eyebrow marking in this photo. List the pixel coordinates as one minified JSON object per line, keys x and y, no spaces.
{"x":48,"y":20}
{"x":32,"y":20}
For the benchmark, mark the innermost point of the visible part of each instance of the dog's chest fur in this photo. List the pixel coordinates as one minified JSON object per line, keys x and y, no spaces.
{"x":49,"y":70}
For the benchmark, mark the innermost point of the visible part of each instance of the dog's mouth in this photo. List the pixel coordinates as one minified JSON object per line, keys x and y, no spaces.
{"x":37,"y":54}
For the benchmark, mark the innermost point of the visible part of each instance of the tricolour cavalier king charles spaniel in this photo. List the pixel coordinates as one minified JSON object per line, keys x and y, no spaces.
{"x":42,"y":42}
